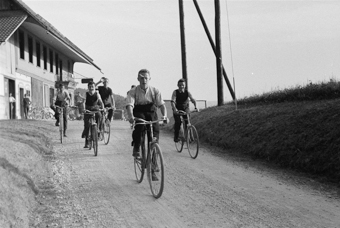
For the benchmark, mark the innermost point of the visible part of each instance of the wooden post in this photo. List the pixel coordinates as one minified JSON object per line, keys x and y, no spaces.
{"x":220,"y":98}
{"x":213,"y":47}
{"x":183,"y":47}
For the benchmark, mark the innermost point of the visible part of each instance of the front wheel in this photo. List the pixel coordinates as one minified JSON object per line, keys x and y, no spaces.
{"x":179,"y":145}
{"x":155,"y":170}
{"x":139,"y":163}
{"x":193,"y":142}
{"x":94,"y":134}
{"x":106,"y":127}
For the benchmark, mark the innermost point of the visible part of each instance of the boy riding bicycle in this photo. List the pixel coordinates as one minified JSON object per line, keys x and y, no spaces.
{"x":93,"y":102}
{"x":61,"y":99}
{"x":107,"y":96}
{"x":142,"y":102}
{"x":180,"y":101}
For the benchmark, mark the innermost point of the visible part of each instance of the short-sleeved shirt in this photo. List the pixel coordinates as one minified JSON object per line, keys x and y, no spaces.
{"x":105,"y":94}
{"x":138,"y":96}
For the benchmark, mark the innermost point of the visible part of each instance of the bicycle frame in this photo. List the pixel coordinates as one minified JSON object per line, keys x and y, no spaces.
{"x":93,"y":133}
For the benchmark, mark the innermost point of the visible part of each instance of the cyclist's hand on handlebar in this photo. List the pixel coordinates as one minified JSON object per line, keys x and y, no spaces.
{"x":165,"y":120}
{"x":197,"y":110}
{"x":131,"y":120}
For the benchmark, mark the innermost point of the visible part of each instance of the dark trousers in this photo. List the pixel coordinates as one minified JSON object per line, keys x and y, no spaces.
{"x":26,"y":109}
{"x":178,"y":122}
{"x":98,"y":117}
{"x":137,"y":133}
{"x":110,"y":112}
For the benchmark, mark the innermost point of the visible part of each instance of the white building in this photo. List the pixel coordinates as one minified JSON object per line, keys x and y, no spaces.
{"x":33,"y":57}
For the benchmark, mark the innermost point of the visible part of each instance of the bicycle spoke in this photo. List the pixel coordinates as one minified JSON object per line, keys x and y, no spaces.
{"x":193,"y":142}
{"x":155,"y":170}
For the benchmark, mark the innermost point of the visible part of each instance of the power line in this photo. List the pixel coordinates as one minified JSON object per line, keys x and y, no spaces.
{"x":231,"y":53}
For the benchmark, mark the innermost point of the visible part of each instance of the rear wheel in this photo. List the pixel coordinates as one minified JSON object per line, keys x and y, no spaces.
{"x":155,"y":170}
{"x":94,"y":134}
{"x":106,"y":131}
{"x":193,"y":142}
{"x":139,"y":163}
{"x":180,"y":143}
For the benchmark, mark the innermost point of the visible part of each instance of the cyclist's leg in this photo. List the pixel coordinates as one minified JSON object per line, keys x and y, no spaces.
{"x":177,"y":126}
{"x":85,"y":133}
{"x":65,"y":119}
{"x":136,"y":134}
{"x":110,"y":112}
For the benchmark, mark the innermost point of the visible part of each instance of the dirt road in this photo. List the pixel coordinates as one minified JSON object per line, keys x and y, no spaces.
{"x":211,"y":191}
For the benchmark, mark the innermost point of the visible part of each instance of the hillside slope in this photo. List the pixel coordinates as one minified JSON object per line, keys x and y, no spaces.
{"x":304,"y":136}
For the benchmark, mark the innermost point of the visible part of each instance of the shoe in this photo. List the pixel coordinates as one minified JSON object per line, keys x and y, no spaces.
{"x":135,"y":152}
{"x":57,"y":123}
{"x":65,"y":135}
{"x":176,"y":140}
{"x":86,"y":146}
{"x":154,"y":177}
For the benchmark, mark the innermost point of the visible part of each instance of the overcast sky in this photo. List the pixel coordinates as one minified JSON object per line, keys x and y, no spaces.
{"x":274,"y":44}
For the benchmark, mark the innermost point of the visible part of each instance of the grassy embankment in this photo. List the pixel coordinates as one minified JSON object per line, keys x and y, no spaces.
{"x":296,"y":128}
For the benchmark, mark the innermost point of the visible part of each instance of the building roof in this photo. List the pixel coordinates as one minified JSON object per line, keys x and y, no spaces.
{"x":32,"y":17}
{"x":9,"y":22}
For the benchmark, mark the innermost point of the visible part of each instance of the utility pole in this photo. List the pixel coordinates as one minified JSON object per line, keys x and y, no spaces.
{"x":213,"y":47}
{"x":219,"y":69}
{"x":183,"y":46}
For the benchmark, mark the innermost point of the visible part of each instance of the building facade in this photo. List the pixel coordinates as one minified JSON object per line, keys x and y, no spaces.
{"x":34,"y":58}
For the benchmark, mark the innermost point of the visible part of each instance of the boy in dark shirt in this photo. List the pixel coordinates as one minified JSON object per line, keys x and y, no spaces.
{"x":180,"y":101}
{"x":106,"y":95}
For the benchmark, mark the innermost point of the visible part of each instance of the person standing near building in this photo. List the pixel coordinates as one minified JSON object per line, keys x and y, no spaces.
{"x":11,"y":106}
{"x":26,"y":102}
{"x":107,"y":96}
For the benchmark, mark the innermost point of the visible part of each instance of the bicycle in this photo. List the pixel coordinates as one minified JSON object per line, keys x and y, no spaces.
{"x":105,"y":129}
{"x":93,"y":132}
{"x":61,"y":121}
{"x":151,"y":159}
{"x":187,"y":134}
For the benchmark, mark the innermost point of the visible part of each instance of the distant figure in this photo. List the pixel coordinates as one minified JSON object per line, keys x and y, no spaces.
{"x":180,"y":101}
{"x":106,"y":95}
{"x":61,"y":99}
{"x":26,"y":102}
{"x":80,"y":101}
{"x":11,"y":106}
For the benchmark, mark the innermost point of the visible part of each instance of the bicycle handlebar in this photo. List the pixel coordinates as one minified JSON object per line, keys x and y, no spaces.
{"x":182,"y":113}
{"x":92,"y":112}
{"x":145,"y":122}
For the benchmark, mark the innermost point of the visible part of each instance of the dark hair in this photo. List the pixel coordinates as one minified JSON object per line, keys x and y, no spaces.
{"x":143,"y":71}
{"x":90,"y":83}
{"x":181,"y":80}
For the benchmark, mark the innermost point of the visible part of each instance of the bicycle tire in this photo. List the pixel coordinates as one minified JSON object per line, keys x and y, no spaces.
{"x":95,"y":139}
{"x":61,"y":127}
{"x":193,"y":142}
{"x":155,"y":165}
{"x":179,"y":145}
{"x":107,"y":131}
{"x":139,"y":163}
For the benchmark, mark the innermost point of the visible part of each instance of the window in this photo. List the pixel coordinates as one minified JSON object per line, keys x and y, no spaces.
{"x":51,"y":61}
{"x":56,"y":63}
{"x":22,"y":44}
{"x":45,"y":57}
{"x":37,"y":50}
{"x":30,"y":49}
